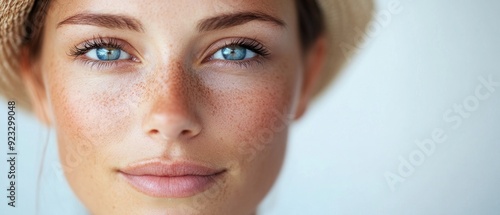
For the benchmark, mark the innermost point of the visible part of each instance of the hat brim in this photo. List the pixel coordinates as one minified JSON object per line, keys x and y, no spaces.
{"x":346,"y":22}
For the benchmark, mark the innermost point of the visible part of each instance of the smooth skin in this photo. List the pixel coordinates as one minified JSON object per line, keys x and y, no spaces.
{"x":172,"y":101}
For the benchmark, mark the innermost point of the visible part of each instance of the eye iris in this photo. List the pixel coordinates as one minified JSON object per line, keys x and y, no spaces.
{"x":234,"y":53}
{"x":107,"y":54}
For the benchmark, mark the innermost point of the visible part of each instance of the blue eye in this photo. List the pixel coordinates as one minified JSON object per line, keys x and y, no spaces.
{"x":234,"y":53}
{"x":107,"y":54}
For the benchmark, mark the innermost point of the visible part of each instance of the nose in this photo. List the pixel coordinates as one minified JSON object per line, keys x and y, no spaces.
{"x":171,"y":113}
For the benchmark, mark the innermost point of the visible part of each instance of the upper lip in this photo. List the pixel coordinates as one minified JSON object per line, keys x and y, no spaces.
{"x":169,"y":169}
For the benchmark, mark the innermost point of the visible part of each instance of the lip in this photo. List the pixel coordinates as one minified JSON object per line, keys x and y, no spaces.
{"x":170,"y":180}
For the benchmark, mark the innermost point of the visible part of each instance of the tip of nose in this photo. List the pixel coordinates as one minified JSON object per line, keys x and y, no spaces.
{"x":172,"y":125}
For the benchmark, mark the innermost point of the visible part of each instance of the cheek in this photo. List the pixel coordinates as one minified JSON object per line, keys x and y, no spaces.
{"x":254,"y":116}
{"x":252,"y":113}
{"x":89,"y":115}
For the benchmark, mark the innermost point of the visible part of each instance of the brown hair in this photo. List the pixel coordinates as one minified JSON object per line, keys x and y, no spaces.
{"x":34,"y":27}
{"x":311,"y":24}
{"x":311,"y":21}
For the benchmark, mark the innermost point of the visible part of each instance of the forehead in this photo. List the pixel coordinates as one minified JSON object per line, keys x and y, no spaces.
{"x":178,"y":12}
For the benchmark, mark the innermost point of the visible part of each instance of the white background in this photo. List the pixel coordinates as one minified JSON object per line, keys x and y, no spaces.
{"x":412,"y":69}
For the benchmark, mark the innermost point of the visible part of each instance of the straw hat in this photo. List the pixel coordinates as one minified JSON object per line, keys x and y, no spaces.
{"x":345,"y":20}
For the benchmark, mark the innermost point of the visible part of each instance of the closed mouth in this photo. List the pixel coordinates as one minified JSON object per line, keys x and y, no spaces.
{"x":175,"y":180}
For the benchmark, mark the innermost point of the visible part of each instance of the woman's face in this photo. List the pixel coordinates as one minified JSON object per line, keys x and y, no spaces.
{"x":172,"y":107}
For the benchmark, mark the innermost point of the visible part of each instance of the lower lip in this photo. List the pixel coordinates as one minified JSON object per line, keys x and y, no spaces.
{"x":171,"y":187}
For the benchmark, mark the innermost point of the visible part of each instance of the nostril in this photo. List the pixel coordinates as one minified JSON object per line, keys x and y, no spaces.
{"x":183,"y":133}
{"x":186,"y":132}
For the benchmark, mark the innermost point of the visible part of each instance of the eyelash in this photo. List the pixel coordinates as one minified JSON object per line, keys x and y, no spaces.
{"x":100,"y":42}
{"x":96,"y":42}
{"x":251,"y":44}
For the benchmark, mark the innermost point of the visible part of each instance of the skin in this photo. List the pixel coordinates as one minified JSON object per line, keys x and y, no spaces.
{"x":170,"y":104}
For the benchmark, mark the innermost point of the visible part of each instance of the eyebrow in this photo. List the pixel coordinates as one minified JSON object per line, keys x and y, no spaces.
{"x":104,"y":20}
{"x":209,"y":24}
{"x":234,"y":19}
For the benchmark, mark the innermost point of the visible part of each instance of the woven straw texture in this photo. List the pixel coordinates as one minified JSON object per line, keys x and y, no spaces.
{"x":13,"y":14}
